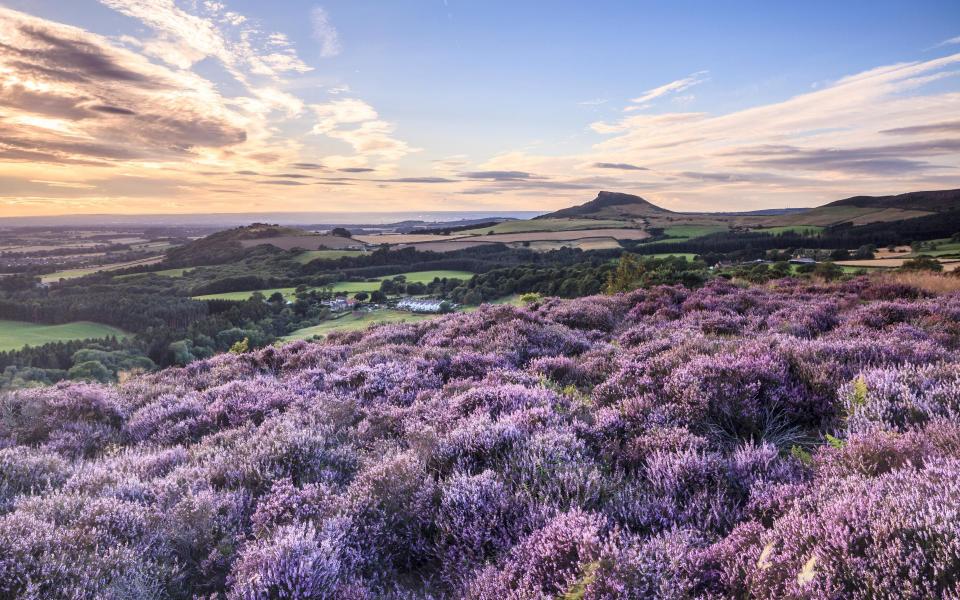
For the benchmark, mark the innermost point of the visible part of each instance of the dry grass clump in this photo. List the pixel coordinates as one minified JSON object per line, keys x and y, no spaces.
{"x":928,"y":281}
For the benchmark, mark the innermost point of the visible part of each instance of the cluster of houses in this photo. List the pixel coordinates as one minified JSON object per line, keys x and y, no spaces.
{"x":421,"y":305}
{"x":799,"y":260}
{"x":340,"y":304}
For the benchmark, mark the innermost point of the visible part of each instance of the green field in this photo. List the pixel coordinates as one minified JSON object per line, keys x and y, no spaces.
{"x":68,"y":274}
{"x":349,"y":287}
{"x":428,"y":276}
{"x":683,"y":233}
{"x":76,"y":273}
{"x":798,"y":229}
{"x":944,"y":247}
{"x":310,"y":255}
{"x":683,"y":255}
{"x":546,"y":225}
{"x":354,"y":321}
{"x":17,"y":334}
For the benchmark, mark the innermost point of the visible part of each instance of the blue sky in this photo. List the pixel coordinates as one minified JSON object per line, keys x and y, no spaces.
{"x":512,"y":105}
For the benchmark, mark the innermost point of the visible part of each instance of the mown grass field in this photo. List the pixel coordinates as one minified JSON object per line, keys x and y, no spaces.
{"x":349,"y":287}
{"x":17,"y":334}
{"x":682,"y":233}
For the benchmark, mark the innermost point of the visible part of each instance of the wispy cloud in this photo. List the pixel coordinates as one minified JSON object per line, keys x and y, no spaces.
{"x":950,"y":42}
{"x":325,"y":33}
{"x":182,"y":38}
{"x":674,"y":87}
{"x":499,"y":175}
{"x":619,"y":166}
{"x":358,"y":124}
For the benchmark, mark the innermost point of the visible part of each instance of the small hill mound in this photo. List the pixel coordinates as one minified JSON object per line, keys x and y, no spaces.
{"x":609,"y":205}
{"x":232,"y":244}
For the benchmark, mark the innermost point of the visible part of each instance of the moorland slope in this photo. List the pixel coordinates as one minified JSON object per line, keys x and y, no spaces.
{"x":796,"y":440}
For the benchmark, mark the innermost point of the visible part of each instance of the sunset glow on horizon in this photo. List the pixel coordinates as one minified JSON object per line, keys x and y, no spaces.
{"x":182,"y":106}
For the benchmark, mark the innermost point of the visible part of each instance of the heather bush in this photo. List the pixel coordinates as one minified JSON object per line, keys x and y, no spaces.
{"x":670,"y":565}
{"x":889,"y":536}
{"x":792,"y":440}
{"x":297,"y":562}
{"x":479,"y":518}
{"x":393,"y":506}
{"x":81,"y":418}
{"x":899,"y":398}
{"x":25,"y":471}
{"x":547,"y":563}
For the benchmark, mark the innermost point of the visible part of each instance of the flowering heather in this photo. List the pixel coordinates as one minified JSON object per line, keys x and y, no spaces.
{"x":789,"y":441}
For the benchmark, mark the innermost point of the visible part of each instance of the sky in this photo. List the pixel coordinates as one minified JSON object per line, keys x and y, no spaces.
{"x":208,"y":106}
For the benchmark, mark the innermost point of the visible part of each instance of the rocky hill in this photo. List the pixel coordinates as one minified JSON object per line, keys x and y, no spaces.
{"x":610,"y":205}
{"x":858,"y":210}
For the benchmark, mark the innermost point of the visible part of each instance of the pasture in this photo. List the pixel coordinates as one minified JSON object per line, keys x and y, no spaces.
{"x":84,"y":271}
{"x":17,"y":334}
{"x":347,"y":287}
{"x":942,"y":247}
{"x":683,"y":255}
{"x":354,"y":321}
{"x":682,"y":233}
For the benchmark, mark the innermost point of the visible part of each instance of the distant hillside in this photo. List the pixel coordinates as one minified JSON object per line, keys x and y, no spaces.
{"x":861,"y":210}
{"x":611,"y":205}
{"x":934,"y":201}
